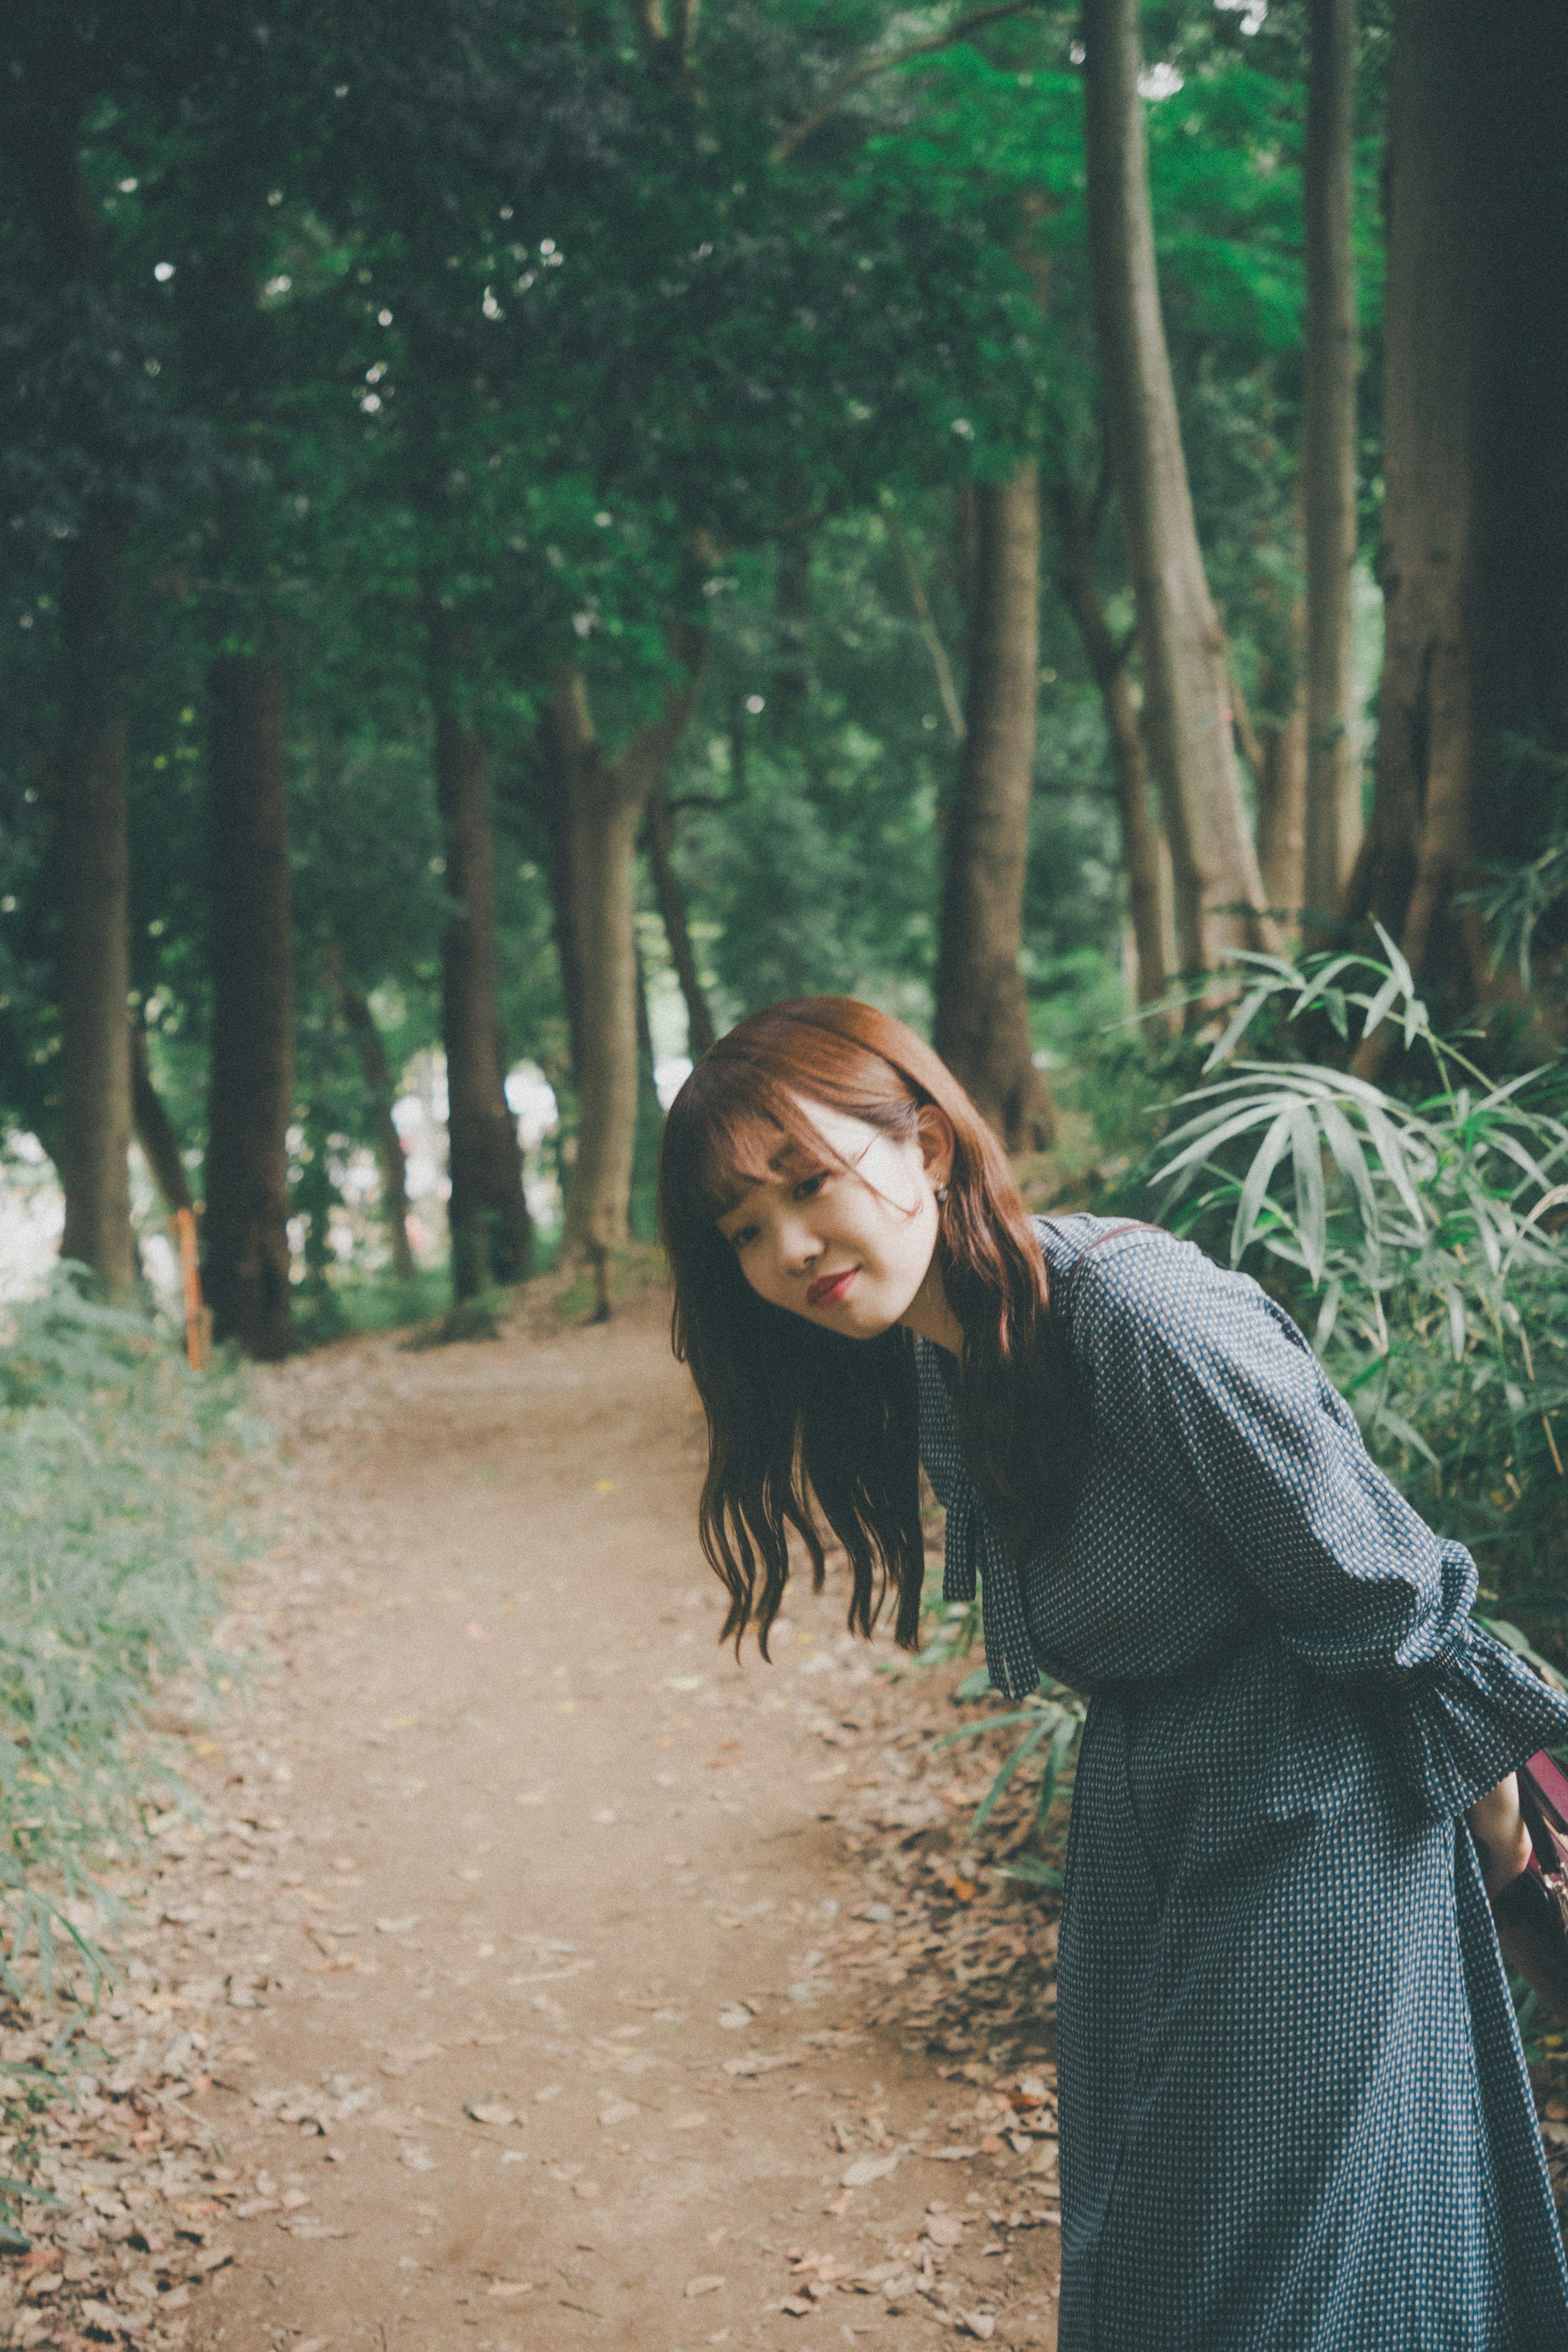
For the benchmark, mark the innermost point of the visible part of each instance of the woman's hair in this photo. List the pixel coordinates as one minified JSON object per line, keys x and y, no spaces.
{"x":795,"y":1412}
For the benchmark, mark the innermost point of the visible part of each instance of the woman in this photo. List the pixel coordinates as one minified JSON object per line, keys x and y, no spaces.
{"x":1294,"y":2109}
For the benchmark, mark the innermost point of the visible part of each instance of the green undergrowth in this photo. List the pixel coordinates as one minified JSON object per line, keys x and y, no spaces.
{"x":117,"y":1474}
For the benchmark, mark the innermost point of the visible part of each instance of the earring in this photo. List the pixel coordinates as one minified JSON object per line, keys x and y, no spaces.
{"x":941,"y":1191}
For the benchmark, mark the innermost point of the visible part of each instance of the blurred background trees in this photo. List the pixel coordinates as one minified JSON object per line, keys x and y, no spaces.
{"x":530,"y":534}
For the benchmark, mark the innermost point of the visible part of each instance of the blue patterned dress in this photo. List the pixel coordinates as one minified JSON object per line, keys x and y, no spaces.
{"x":1294,"y":2111}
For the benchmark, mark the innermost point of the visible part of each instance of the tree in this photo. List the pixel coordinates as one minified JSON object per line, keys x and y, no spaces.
{"x":1076,"y":531}
{"x":244,"y":1227}
{"x":1186,"y":693}
{"x":491,"y":1237}
{"x":1475,"y":523}
{"x":90,"y":860}
{"x":606,"y":797}
{"x":981,"y":1027}
{"x":1328,"y":463}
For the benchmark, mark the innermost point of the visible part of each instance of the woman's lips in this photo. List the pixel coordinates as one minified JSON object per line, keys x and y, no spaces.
{"x":828,"y":1288}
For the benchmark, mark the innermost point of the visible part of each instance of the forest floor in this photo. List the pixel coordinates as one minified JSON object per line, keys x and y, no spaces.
{"x":536,"y":1974}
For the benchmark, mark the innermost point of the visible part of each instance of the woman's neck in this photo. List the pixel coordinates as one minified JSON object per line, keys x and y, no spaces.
{"x":930,"y":1315}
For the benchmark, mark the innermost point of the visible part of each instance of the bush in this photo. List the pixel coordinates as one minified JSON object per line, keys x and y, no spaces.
{"x":114,"y":1518}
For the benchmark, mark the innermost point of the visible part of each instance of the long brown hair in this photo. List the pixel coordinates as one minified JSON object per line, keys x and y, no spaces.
{"x":794,"y":1411}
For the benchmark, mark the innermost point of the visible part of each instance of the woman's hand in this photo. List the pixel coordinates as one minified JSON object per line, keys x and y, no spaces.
{"x":1498,"y":1827}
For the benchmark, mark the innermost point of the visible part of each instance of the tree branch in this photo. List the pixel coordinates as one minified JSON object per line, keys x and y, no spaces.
{"x":922,"y":614}
{"x":785,"y":146}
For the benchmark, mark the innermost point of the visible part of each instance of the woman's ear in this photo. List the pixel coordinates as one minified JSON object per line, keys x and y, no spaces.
{"x":937,"y":1143}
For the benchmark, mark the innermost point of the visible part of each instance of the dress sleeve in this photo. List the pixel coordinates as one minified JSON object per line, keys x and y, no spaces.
{"x":1219,"y":1405}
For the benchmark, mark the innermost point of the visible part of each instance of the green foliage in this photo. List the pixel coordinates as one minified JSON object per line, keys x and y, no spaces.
{"x":1414,"y":1236}
{"x":112,"y":1459}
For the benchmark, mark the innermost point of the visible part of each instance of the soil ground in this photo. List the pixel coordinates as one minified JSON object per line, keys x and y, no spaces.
{"x":523,"y":1951}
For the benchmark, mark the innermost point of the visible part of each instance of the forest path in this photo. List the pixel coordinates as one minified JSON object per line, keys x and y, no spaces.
{"x":521,"y":1876}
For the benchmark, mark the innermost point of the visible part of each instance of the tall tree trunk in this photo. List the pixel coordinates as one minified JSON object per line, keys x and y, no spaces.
{"x":155,"y":1129}
{"x":981,"y":1028}
{"x":605,"y":802}
{"x":361,"y":1024}
{"x":672,"y":905}
{"x":1075,"y":536}
{"x":1474,"y":702}
{"x":492,"y":1236}
{"x":1283,"y":808}
{"x":245,"y":1226}
{"x":1328,"y":467}
{"x":92,"y":865}
{"x":1187,"y":696}
{"x":90,"y":860}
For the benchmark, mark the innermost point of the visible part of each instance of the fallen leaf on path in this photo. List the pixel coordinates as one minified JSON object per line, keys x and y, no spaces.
{"x":944,"y":2229}
{"x":588,"y":2188}
{"x":503,"y":2290}
{"x":685,"y":1682}
{"x":736,"y":2018}
{"x":314,"y":2343}
{"x":694,"y":2121}
{"x":550,"y":2091}
{"x":867,"y":2169}
{"x":490,"y":2111}
{"x":254,"y":2205}
{"x":619,"y":2111}
{"x":388,"y":1928}
{"x":948,"y":2155}
{"x":708,"y":2284}
{"x":975,"y":2323}
{"x":419,"y":2160}
{"x":797,"y":2306}
{"x":476,"y":1633}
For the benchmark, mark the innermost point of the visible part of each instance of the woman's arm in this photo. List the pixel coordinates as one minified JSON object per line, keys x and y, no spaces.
{"x":1498,"y":1826}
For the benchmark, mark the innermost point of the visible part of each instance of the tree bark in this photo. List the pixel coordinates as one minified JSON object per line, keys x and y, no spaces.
{"x":245,"y":1226}
{"x":1327,"y":469}
{"x":92,"y":867}
{"x":155,"y":1129}
{"x":605,"y":801}
{"x":1283,"y":809}
{"x":1187,"y":698}
{"x":91,"y":859}
{"x":1475,"y":527}
{"x":672,"y":905}
{"x":1075,"y":536}
{"x":492,"y":1235}
{"x":981,"y":1028}
{"x":361,"y":1024}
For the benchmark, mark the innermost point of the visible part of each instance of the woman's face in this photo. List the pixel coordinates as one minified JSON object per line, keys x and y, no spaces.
{"x":846,"y":1240}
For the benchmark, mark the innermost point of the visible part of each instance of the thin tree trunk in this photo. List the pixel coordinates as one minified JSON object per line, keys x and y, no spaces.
{"x":492,"y":1235}
{"x":1328,"y":465}
{"x":1187,"y":698}
{"x":606,"y":799}
{"x":925,"y":619}
{"x":155,"y":1129}
{"x":1107,"y":658}
{"x":1282,"y":810}
{"x":361,"y":1024}
{"x":1419,"y":846}
{"x":672,"y":905}
{"x":92,"y":861}
{"x":245,"y":1226}
{"x":92,"y":867}
{"x":981,"y":1028}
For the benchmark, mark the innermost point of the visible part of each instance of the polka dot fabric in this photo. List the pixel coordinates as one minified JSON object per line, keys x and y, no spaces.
{"x":1295,"y":2116}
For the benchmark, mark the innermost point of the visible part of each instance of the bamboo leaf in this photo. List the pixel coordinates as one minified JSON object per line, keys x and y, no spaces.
{"x":999,"y":1787}
{"x":1312,"y":1215}
{"x":1249,"y":1208}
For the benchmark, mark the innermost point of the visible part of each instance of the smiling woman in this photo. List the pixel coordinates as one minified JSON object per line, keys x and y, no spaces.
{"x":1294,"y":2107}
{"x":798,"y":1200}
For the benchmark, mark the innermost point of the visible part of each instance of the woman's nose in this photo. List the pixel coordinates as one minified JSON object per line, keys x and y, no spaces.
{"x":798,"y":1244}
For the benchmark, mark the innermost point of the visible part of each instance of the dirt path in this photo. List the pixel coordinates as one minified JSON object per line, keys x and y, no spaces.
{"x":520,"y":1888}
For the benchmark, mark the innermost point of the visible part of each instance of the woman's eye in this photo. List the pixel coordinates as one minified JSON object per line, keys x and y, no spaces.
{"x":810,"y":1185}
{"x":738,"y":1240}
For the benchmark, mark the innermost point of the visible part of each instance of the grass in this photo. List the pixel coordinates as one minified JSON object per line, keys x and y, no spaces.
{"x":116,"y":1515}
